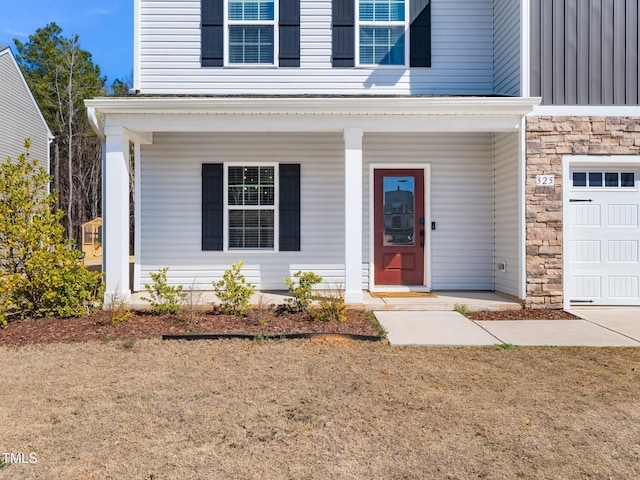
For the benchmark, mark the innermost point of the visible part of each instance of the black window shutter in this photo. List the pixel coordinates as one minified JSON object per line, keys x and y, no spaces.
{"x":211,"y":33}
{"x":343,"y":33}
{"x":289,"y":207}
{"x":420,"y":33}
{"x":212,"y":206}
{"x":289,"y":33}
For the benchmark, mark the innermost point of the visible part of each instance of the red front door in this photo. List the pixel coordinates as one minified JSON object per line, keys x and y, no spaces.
{"x":399,"y":230}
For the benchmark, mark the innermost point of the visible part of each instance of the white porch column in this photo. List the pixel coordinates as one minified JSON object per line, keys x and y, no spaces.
{"x":115,"y":214}
{"x":353,"y":215}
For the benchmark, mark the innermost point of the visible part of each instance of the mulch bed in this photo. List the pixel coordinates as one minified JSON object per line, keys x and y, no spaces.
{"x":262,"y":323}
{"x":522,"y":314}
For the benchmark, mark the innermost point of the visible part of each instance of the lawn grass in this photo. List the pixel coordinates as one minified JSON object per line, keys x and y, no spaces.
{"x":318,"y":409}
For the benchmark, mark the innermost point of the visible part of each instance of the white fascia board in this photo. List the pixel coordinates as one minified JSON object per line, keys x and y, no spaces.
{"x":586,"y":111}
{"x":374,"y":114}
{"x":136,"y":44}
{"x":314,"y":123}
{"x":318,"y":105}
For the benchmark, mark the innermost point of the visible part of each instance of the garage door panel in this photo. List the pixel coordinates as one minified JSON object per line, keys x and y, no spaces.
{"x":586,"y":287}
{"x":622,"y":215}
{"x":623,"y":251}
{"x":585,"y":215}
{"x":623,"y":287}
{"x":585,"y":251}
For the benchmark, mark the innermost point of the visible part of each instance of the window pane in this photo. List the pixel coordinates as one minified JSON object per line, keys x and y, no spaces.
{"x":251,"y":228}
{"x":251,"y":44}
{"x":251,"y":186}
{"x":382,"y":45}
{"x":398,"y":210}
{"x":611,"y":179}
{"x":595,"y":179}
{"x":627,"y":180}
{"x":251,"y":10}
{"x":382,"y":11}
{"x":579,"y":179}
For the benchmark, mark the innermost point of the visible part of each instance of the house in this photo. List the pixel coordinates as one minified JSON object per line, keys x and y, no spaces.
{"x":275,"y":131}
{"x":20,"y":117}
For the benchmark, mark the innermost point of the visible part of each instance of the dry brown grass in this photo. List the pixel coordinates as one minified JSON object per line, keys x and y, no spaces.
{"x":318,"y":410}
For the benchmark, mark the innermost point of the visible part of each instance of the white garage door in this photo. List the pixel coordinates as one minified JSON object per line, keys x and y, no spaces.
{"x":604,"y":236}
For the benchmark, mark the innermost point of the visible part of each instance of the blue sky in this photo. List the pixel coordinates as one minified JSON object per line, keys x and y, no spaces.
{"x":105,"y":28}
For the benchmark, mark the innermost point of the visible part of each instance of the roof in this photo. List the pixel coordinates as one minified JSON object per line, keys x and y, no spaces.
{"x":3,"y":47}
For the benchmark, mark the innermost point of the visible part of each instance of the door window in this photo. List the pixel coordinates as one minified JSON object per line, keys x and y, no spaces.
{"x":399,"y":204}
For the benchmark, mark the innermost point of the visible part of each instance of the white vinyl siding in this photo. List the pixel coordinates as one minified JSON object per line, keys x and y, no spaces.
{"x":19,"y":117}
{"x":461,"y":201}
{"x":171,"y":207}
{"x":506,"y":201}
{"x":506,"y":47}
{"x":462,"y":56}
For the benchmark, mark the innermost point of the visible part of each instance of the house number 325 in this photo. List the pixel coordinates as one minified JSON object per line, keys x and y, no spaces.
{"x":545,"y":180}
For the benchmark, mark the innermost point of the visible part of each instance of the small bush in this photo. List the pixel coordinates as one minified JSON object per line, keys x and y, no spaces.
{"x":331,"y":307}
{"x":233,"y":291}
{"x":165,"y":298}
{"x":461,"y":308}
{"x":301,"y":290}
{"x":117,"y":307}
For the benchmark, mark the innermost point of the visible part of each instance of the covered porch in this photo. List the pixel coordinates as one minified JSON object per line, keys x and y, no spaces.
{"x":168,"y":127}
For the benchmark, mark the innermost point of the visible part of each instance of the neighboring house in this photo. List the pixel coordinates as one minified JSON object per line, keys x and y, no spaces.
{"x":274,"y":131}
{"x":20,"y":117}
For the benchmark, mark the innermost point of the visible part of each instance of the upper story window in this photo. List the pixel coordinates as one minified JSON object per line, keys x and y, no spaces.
{"x":251,"y":32}
{"x":382,"y":31}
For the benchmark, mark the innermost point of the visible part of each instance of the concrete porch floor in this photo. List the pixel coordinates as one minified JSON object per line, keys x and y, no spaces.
{"x":444,"y":300}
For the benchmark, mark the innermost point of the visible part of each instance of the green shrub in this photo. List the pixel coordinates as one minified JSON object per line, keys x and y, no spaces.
{"x":41,"y":273}
{"x":301,"y":290}
{"x":233,"y":291}
{"x":331,"y":307}
{"x":164,"y":298}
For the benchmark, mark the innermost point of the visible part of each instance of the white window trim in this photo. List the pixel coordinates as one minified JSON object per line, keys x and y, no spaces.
{"x":382,"y":24}
{"x":276,"y":36}
{"x":276,"y":208}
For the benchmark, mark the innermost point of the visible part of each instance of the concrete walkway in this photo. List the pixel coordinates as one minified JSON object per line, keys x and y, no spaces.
{"x":610,"y":327}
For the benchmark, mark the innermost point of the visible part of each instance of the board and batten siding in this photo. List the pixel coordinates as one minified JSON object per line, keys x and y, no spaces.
{"x":461,"y":191}
{"x":506,"y":47}
{"x":19,"y":117}
{"x":506,"y":218}
{"x":585,"y":52}
{"x":171,"y":207}
{"x":461,"y":50}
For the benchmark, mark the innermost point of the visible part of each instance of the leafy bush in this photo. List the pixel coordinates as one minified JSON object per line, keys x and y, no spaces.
{"x":165,"y":298}
{"x":41,"y":273}
{"x":331,"y":307}
{"x":233,"y":291}
{"x":300,"y":288}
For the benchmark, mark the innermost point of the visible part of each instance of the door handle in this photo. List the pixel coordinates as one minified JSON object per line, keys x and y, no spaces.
{"x":422,"y":237}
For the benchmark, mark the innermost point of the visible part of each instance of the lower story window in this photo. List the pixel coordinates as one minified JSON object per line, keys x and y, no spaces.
{"x":255,"y":207}
{"x":251,"y":206}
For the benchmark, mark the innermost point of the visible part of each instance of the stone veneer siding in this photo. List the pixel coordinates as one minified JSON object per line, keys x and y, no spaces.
{"x":548,"y":139}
